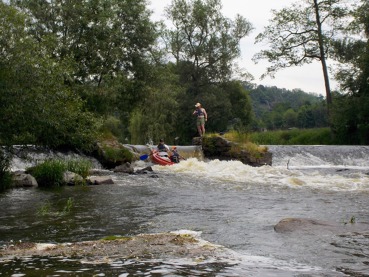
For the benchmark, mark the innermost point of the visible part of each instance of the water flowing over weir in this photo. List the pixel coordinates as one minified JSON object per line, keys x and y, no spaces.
{"x":320,"y":155}
{"x":226,"y":203}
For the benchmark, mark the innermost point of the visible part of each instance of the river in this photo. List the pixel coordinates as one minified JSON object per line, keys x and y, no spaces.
{"x":227,"y":203}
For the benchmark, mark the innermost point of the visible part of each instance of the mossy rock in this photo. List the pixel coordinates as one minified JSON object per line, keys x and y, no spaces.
{"x":217,"y":147}
{"x":111,"y":153}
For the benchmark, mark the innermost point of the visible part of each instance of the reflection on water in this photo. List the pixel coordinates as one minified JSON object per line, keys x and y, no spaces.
{"x":231,"y":204}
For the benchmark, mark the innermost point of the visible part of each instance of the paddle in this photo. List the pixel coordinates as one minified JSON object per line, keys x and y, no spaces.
{"x":144,"y":157}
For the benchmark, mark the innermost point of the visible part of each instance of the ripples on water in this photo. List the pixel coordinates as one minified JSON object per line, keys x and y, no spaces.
{"x":231,"y":204}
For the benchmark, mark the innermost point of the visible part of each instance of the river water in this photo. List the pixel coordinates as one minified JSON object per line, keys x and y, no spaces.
{"x":226,"y":203}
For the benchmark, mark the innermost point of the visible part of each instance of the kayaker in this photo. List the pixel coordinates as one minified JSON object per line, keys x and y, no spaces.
{"x":202,"y":117}
{"x":162,"y":147}
{"x":175,"y":157}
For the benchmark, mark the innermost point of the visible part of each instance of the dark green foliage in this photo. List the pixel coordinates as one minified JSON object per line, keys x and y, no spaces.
{"x":350,"y":119}
{"x":5,"y":175}
{"x":35,"y":105}
{"x":350,"y":113}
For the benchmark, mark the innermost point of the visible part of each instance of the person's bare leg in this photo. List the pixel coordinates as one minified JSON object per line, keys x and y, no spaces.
{"x":199,"y":130}
{"x":203,"y":129}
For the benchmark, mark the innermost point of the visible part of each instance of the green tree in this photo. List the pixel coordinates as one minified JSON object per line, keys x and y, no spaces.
{"x":290,"y":118}
{"x":205,"y":45}
{"x":351,"y":113}
{"x":35,"y":105}
{"x":111,"y":43}
{"x":301,"y":34}
{"x":203,"y":42}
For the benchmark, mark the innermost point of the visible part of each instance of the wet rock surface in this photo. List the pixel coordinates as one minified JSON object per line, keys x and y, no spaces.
{"x":163,"y":245}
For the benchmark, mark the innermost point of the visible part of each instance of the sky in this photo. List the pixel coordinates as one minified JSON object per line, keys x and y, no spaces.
{"x":308,"y":78}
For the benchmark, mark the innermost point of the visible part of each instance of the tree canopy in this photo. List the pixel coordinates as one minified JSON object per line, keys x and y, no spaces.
{"x":300,"y":34}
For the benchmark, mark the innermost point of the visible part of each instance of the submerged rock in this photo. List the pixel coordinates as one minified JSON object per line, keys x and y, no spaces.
{"x":124,"y":168}
{"x":307,"y":225}
{"x":156,"y":246}
{"x":100,"y":180}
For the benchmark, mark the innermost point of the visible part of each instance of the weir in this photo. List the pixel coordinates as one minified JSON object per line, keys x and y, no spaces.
{"x":320,"y":155}
{"x":283,"y":155}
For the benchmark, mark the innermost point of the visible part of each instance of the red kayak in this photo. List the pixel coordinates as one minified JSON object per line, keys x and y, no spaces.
{"x":160,"y":158}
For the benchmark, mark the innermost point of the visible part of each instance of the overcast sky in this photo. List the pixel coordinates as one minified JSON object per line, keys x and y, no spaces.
{"x":309,"y":78}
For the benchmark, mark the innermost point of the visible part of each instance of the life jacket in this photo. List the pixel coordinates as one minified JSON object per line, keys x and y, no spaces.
{"x":162,"y":147}
{"x":175,"y":157}
{"x":200,"y":112}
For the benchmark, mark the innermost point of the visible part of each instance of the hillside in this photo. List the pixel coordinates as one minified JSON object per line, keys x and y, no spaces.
{"x":276,"y":108}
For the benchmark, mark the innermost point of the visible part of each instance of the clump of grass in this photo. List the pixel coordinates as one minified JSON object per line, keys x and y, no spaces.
{"x":81,"y":167}
{"x":68,"y":206}
{"x":241,"y":141}
{"x":110,"y":238}
{"x":46,"y":209}
{"x":49,"y":173}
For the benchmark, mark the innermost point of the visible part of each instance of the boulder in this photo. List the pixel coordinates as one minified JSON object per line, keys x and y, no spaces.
{"x":100,"y":180}
{"x":71,"y":178}
{"x":21,"y":179}
{"x":111,"y":153}
{"x":313,"y":226}
{"x":124,"y":168}
{"x":217,"y":147}
{"x":145,"y":170}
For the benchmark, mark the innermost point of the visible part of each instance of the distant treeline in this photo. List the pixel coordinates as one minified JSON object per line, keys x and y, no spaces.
{"x":279,"y":109}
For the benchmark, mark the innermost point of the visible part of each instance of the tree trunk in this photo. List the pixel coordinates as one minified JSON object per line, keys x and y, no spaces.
{"x":322,"y":56}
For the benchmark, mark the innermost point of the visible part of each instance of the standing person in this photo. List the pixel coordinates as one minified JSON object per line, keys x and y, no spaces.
{"x":202,"y":116}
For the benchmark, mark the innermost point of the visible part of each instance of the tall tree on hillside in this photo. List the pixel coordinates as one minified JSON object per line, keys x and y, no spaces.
{"x":301,"y":34}
{"x":203,"y":42}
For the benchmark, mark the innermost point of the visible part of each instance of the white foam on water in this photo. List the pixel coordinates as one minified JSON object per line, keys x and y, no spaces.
{"x":317,"y":177}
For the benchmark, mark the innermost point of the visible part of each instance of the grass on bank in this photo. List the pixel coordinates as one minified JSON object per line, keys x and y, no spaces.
{"x":318,"y":136}
{"x":254,"y":142}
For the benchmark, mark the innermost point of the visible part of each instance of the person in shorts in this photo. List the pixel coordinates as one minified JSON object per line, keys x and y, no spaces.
{"x":202,"y":117}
